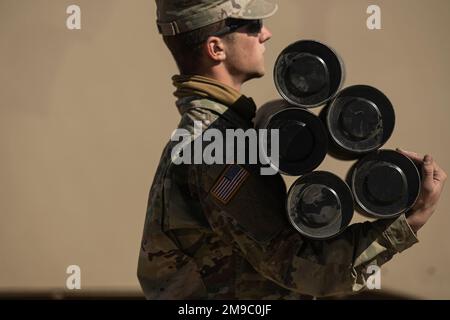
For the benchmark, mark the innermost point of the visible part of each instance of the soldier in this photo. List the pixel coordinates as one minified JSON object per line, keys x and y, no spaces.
{"x":220,"y":231}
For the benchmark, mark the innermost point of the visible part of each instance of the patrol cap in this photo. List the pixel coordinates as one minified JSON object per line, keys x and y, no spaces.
{"x":385,"y":184}
{"x":308,"y":73}
{"x":179,"y":16}
{"x":360,"y":120}
{"x":303,"y":141}
{"x":320,"y":205}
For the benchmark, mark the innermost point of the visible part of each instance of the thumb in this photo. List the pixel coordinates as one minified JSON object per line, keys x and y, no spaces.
{"x":428,"y":173}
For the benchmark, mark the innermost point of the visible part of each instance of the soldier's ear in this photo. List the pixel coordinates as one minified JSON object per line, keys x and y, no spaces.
{"x":215,"y":49}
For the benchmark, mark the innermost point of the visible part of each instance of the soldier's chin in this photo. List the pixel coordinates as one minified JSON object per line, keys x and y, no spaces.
{"x":256,"y":74}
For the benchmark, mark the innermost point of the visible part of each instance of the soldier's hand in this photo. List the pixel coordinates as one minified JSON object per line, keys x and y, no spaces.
{"x":433,"y":180}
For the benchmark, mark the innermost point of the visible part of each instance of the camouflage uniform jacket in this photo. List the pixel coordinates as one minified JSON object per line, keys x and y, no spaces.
{"x":196,"y":247}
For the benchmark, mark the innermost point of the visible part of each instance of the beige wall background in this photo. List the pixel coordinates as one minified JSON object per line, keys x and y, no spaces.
{"x":84,"y":115}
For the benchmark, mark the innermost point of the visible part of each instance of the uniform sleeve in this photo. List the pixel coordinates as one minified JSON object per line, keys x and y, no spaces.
{"x":254,"y":222}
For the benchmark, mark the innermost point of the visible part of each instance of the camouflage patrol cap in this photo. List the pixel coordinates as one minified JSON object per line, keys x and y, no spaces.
{"x":179,"y":16}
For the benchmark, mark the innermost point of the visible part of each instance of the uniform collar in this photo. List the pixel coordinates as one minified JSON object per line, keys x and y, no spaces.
{"x":191,"y":88}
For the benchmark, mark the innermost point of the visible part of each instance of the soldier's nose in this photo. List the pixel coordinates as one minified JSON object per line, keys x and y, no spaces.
{"x":265,"y":34}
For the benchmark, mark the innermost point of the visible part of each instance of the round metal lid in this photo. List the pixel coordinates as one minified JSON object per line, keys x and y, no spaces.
{"x":360,"y":119}
{"x":385,"y":184}
{"x":320,"y":205}
{"x":308,"y":73}
{"x":303,"y":140}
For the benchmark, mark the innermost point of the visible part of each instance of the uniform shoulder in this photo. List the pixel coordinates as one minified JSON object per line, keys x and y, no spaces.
{"x":193,"y":109}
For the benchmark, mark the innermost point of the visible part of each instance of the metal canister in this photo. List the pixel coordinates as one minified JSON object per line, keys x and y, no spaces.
{"x":320,"y":205}
{"x":385,"y":184}
{"x":308,"y":73}
{"x":360,"y":119}
{"x":303,"y":141}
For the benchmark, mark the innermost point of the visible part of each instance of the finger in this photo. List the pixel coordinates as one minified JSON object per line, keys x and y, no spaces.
{"x":406,"y":152}
{"x":428,"y":173}
{"x":439,"y":174}
{"x":437,"y":168}
{"x":412,"y":155}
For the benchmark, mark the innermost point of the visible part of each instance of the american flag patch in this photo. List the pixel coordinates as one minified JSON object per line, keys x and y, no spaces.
{"x":230,"y":182}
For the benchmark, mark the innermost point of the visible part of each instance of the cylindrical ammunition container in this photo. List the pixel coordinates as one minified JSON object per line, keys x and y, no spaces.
{"x":308,"y":73}
{"x":303,"y":138}
{"x":385,"y":184}
{"x":320,"y":205}
{"x":360,"y":119}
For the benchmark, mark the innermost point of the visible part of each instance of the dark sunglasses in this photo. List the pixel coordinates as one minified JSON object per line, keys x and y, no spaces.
{"x":251,"y":26}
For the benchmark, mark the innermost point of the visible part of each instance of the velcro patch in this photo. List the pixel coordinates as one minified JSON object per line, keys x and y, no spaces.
{"x":229,"y":183}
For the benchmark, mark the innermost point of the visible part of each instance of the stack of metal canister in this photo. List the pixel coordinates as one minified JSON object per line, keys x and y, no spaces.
{"x":354,"y":124}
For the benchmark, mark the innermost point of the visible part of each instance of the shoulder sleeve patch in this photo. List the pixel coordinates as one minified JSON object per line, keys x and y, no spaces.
{"x":229,"y":183}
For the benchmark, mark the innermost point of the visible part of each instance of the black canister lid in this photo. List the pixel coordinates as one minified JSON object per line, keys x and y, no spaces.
{"x":303,"y":140}
{"x":385,"y":184}
{"x":360,"y":119}
{"x":308,"y":73}
{"x":320,"y":205}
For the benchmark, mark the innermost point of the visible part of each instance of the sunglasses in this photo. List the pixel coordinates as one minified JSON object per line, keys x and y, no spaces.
{"x":251,"y":26}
